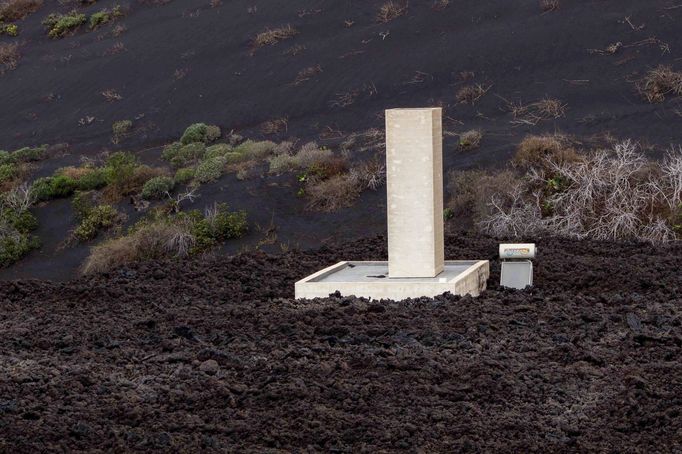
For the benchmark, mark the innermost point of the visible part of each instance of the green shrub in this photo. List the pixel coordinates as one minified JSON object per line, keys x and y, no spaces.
{"x":9,"y":29}
{"x":8,"y":172}
{"x":92,"y":180}
{"x":55,"y":187}
{"x":83,"y":202}
{"x":14,"y":247}
{"x":28,"y":154}
{"x":104,"y":16}
{"x":256,"y":150}
{"x":180,"y":155}
{"x":200,"y":132}
{"x":120,"y":128}
{"x":184,"y":175}
{"x":21,"y":221}
{"x":210,"y":170}
{"x":5,"y":157}
{"x":157,"y":187}
{"x":219,"y":149}
{"x":58,"y":25}
{"x":15,"y":238}
{"x":217,"y":224}
{"x":170,"y":151}
{"x":120,"y":167}
{"x":98,"y":218}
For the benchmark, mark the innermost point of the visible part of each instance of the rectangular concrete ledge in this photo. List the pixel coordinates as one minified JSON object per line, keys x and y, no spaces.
{"x":370,"y":280}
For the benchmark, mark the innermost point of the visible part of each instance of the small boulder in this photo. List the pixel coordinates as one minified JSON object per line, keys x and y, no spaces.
{"x":210,"y":367}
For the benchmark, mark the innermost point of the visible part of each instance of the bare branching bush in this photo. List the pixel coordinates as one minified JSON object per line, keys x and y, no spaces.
{"x":19,"y":198}
{"x":369,"y":175}
{"x":12,"y":10}
{"x":534,"y":113}
{"x":660,"y":82}
{"x":615,"y":194}
{"x":391,"y":10}
{"x":9,"y":57}
{"x":272,"y":36}
{"x":471,"y":93}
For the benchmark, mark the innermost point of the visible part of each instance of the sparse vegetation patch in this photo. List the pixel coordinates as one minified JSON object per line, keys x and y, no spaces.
{"x":272,"y":36}
{"x":391,"y":10}
{"x":605,"y":194}
{"x":12,"y":10}
{"x":59,"y":25}
{"x":660,"y":82}
{"x":162,"y":236}
{"x":9,"y":56}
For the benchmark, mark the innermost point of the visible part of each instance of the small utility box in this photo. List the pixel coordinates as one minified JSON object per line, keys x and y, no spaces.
{"x":517,"y":268}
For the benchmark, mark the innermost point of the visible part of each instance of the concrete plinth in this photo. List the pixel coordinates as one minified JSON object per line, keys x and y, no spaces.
{"x":414,"y":188}
{"x":416,"y":249}
{"x":370,"y":280}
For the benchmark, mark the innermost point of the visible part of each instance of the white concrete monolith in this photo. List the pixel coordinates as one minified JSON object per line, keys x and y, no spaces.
{"x":414,"y":173}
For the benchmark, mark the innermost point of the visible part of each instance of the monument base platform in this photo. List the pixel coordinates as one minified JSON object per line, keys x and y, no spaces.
{"x":370,"y":280}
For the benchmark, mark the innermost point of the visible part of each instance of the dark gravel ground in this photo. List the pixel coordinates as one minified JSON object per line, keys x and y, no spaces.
{"x":215,"y":355}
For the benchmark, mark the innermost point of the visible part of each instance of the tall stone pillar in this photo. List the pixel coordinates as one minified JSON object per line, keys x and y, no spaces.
{"x":414,"y":172}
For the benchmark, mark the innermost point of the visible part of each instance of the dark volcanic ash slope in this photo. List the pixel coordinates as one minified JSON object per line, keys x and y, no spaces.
{"x":214,"y":355}
{"x":184,"y":61}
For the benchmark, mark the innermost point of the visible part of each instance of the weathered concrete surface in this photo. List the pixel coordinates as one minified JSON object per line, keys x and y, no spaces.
{"x":369,"y":279}
{"x":414,"y":172}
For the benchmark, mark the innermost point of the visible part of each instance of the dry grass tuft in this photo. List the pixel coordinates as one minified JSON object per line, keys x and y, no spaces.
{"x":549,"y":5}
{"x":471,"y":93}
{"x":307,"y":73}
{"x":534,"y":113}
{"x":339,"y":191}
{"x":660,"y":82}
{"x":9,"y":56}
{"x":111,"y":95}
{"x":272,"y":36}
{"x":470,"y":140}
{"x":540,"y":151}
{"x":391,"y":10}
{"x":11,"y":10}
{"x":153,"y":241}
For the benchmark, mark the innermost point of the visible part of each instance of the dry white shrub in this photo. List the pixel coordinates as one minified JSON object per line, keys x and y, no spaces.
{"x":609,"y":195}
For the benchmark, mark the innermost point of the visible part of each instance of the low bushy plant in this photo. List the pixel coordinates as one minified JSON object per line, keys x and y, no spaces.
{"x":210,"y":170}
{"x":200,"y":132}
{"x":55,"y":187}
{"x":219,"y":149}
{"x":180,"y":155}
{"x":9,"y":29}
{"x":163,"y":236}
{"x":59,"y":25}
{"x":184,"y":175}
{"x":96,"y":219}
{"x":157,"y":187}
